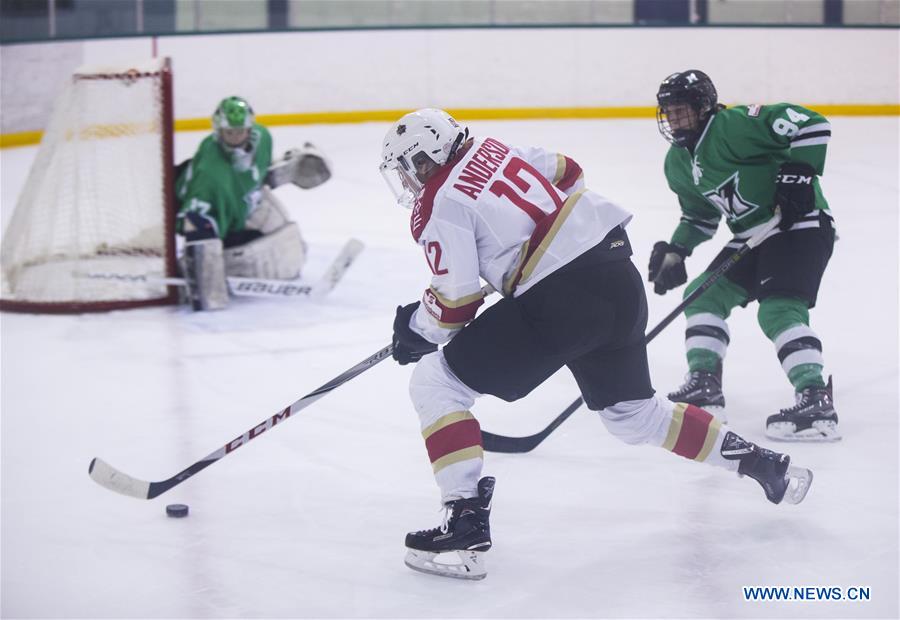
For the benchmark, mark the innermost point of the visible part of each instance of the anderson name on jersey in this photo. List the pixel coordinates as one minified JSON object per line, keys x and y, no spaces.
{"x":508,"y":215}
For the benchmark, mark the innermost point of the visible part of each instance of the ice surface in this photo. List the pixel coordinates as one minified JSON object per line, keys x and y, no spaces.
{"x":309,"y":520}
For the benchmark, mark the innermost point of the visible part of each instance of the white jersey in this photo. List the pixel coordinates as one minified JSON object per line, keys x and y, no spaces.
{"x":508,"y":215}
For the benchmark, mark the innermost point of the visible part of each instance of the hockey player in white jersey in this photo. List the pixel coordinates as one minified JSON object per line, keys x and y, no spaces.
{"x":521,"y":220}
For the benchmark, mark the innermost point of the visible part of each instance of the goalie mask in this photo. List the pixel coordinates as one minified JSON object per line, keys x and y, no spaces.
{"x":232,"y":122}
{"x":686,"y":102}
{"x":415,"y":147}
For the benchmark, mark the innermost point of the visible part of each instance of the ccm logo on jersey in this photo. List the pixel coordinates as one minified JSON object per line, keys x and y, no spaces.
{"x":753,"y":110}
{"x":795,"y":179}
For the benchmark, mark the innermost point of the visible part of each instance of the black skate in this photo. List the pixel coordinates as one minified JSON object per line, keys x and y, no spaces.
{"x":773,"y":471}
{"x":813,"y":418}
{"x":466,"y":531}
{"x":703,"y":389}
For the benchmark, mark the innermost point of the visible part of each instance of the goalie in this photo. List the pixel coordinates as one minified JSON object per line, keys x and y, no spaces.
{"x":233,"y":223}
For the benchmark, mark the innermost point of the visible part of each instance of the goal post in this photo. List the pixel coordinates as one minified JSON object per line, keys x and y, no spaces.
{"x":99,"y":197}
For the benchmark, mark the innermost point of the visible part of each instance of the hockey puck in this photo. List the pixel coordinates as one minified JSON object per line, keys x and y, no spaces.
{"x":177,"y":511}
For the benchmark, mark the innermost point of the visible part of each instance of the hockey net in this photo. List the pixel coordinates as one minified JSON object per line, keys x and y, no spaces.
{"x":97,"y":206}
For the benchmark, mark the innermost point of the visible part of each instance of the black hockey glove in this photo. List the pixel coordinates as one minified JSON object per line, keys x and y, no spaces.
{"x":667,"y":267}
{"x":408,"y":345}
{"x":794,"y":192}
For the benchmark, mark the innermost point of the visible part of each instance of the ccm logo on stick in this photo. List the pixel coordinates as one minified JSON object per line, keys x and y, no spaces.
{"x":257,"y":430}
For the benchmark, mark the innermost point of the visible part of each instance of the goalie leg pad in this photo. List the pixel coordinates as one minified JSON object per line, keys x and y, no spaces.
{"x":269,"y":214}
{"x":279,"y":255}
{"x":204,"y":269}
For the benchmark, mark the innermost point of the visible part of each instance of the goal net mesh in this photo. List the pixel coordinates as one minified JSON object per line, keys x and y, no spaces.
{"x":95,"y":215}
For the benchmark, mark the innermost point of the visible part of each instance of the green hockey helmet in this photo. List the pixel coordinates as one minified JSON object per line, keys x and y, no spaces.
{"x":232,"y":121}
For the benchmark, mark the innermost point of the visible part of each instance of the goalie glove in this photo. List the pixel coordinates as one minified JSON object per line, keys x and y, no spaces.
{"x":306,"y":168}
{"x":666,"y":269}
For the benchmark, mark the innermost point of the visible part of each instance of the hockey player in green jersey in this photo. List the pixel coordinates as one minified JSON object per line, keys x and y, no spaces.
{"x":232,"y":222}
{"x":224,"y":179}
{"x":743,"y":163}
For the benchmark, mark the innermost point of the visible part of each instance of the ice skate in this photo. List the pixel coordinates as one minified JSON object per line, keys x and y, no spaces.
{"x":703,"y":389}
{"x":465,"y":533}
{"x":813,"y":418}
{"x":772,"y":470}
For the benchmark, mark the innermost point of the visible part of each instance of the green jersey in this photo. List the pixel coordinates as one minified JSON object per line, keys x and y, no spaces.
{"x":731,"y":171}
{"x":224,"y":186}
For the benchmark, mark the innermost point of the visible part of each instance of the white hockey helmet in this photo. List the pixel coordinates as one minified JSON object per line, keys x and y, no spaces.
{"x":418,"y":143}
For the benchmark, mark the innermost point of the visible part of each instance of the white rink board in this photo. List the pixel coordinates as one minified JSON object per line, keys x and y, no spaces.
{"x":309,"y":519}
{"x":298,"y":72}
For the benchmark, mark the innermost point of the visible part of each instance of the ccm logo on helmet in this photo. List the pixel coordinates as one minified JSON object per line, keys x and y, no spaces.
{"x":409,"y":149}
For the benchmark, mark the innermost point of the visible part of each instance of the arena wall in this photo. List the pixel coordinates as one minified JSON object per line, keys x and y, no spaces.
{"x":341,"y":76}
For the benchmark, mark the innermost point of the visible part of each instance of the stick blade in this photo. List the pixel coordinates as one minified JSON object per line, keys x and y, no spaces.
{"x":338,"y":267}
{"x":521,"y":445}
{"x":508,"y":445}
{"x":111,"y":478}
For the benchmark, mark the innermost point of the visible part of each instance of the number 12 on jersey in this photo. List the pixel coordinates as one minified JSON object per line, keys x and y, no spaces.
{"x":518,"y":179}
{"x":513,"y":172}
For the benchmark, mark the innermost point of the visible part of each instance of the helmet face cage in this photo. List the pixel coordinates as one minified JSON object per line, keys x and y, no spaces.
{"x":414,"y":146}
{"x":686,"y":100}
{"x":233,"y":117}
{"x":402,"y":181}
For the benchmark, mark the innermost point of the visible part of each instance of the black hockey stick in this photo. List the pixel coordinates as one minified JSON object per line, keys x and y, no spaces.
{"x":518,"y":445}
{"x":514,"y":445}
{"x":108,"y":476}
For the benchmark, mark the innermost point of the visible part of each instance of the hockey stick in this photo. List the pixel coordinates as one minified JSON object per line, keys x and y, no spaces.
{"x":111,"y":478}
{"x":257,"y":287}
{"x":238,"y":286}
{"x":338,"y":267}
{"x":518,"y":445}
